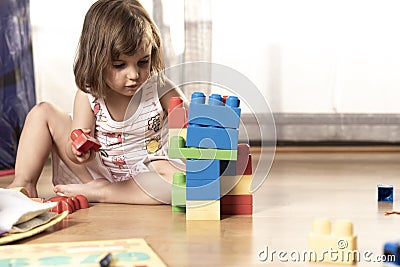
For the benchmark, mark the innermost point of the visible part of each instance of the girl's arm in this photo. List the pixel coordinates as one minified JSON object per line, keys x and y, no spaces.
{"x":169,"y":90}
{"x":83,"y":118}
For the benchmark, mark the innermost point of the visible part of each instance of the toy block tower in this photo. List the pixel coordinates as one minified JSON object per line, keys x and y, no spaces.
{"x":210,"y":148}
{"x":332,"y":246}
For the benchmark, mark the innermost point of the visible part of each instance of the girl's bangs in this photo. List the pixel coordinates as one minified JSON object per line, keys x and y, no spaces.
{"x":129,"y":41}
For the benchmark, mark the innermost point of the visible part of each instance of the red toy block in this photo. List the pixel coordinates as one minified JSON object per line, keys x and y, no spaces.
{"x":237,"y":200}
{"x":243,"y":163}
{"x":84,"y":142}
{"x":71,"y":204}
{"x":62,"y":206}
{"x":236,"y":209}
{"x":177,"y":114}
{"x":83,"y":202}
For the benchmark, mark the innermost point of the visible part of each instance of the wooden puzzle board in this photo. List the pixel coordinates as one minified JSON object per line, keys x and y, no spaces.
{"x":127,"y":252}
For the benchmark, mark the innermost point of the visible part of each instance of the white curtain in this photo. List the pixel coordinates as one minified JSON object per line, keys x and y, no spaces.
{"x":196,"y":36}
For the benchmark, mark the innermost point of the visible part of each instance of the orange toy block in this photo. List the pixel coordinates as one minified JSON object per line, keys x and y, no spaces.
{"x":177,"y":114}
{"x":84,"y":142}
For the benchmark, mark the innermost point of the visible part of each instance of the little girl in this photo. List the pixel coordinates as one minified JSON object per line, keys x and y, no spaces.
{"x":117,"y":103}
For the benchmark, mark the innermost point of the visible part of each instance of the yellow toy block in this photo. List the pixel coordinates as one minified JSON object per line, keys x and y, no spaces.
{"x":197,"y":210}
{"x":236,"y":185}
{"x":177,"y":132}
{"x":338,"y":246}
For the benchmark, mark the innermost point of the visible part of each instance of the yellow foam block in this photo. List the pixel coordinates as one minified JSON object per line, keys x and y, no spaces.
{"x":236,"y":185}
{"x":177,"y":132}
{"x":202,"y":210}
{"x":338,"y":246}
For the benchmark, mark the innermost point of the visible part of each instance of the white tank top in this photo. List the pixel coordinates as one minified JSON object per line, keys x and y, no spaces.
{"x":126,"y":146}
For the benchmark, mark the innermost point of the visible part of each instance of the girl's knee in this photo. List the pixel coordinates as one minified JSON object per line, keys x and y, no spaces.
{"x":47,"y":112}
{"x":41,"y":110}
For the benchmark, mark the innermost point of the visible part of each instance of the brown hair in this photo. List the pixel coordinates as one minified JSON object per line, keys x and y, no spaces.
{"x":112,"y":28}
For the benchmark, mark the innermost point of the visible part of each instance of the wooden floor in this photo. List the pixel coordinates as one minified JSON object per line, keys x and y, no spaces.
{"x":301,"y":186}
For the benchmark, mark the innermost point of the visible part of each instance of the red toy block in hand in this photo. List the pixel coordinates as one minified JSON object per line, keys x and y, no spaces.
{"x":84,"y":142}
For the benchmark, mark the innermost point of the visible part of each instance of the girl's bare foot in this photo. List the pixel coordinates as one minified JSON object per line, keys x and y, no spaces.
{"x":91,"y":190}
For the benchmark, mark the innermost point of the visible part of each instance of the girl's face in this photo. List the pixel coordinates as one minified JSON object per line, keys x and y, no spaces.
{"x":125,"y":75}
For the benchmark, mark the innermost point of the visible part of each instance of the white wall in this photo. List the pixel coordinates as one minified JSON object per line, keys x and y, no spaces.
{"x":313,"y":56}
{"x":309,"y":56}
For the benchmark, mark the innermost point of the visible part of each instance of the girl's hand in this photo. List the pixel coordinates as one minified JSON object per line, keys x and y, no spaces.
{"x":82,"y":157}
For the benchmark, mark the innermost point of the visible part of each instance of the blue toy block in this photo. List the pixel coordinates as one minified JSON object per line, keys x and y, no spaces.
{"x":385,"y":193}
{"x":202,"y":169}
{"x":212,"y":137}
{"x":216,"y":112}
{"x":391,"y":251}
{"x":203,"y":189}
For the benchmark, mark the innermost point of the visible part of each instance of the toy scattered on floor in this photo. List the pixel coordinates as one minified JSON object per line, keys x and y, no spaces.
{"x":120,"y":252}
{"x":21,"y":217}
{"x":385,"y":193}
{"x":218,"y":169}
{"x":391,"y":251}
{"x":70,"y":204}
{"x":84,"y":142}
{"x":337,"y":245}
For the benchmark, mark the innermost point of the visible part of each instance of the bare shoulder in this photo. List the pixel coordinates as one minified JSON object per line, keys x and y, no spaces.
{"x":168,"y":90}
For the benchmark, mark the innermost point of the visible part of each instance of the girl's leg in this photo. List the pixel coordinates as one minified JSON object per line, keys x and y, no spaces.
{"x":152,"y":187}
{"x":45,"y":126}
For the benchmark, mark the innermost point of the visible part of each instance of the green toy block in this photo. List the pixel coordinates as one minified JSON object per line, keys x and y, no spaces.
{"x":178,"y":150}
{"x":178,"y":209}
{"x":179,"y":192}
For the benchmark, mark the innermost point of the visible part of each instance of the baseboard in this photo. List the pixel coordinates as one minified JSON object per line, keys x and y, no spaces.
{"x":335,"y":129}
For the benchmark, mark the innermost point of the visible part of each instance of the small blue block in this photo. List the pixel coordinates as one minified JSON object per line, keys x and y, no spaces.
{"x":391,"y":251}
{"x":197,"y":169}
{"x":385,"y":193}
{"x":215,"y":113}
{"x":211,"y":137}
{"x":203,"y":189}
